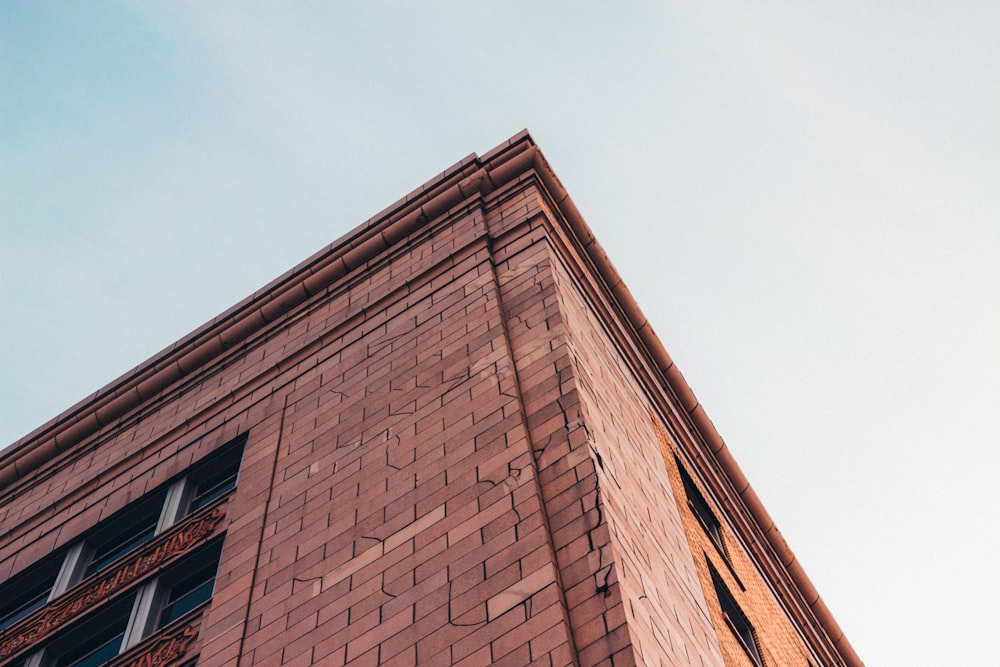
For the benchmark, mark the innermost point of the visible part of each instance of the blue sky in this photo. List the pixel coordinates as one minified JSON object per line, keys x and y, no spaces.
{"x":803,"y":198}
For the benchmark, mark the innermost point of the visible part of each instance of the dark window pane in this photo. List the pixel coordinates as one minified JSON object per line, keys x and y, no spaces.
{"x":216,"y":476}
{"x":187,"y":601}
{"x":124,"y":532}
{"x":93,"y":641}
{"x":737,"y":622}
{"x":213,"y":488}
{"x":27,"y":591}
{"x":190,"y":583}
{"x":701,"y":509}
{"x":99,"y":655}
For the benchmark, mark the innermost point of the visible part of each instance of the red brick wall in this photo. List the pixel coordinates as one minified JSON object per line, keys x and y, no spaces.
{"x":665,"y":608}
{"x":569,"y":481}
{"x":449,"y":461}
{"x":394,"y":504}
{"x":405,"y":523}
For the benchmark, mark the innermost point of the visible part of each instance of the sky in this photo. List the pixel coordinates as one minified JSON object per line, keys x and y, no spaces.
{"x":804,"y":198}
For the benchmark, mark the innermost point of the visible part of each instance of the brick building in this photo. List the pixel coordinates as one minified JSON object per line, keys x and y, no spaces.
{"x":449,"y":438}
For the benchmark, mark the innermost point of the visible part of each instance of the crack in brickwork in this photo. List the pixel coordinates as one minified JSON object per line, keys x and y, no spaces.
{"x":633,"y":487}
{"x":547,"y":461}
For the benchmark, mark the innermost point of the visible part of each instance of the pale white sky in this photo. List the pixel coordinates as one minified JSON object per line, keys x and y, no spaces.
{"x":803,"y":198}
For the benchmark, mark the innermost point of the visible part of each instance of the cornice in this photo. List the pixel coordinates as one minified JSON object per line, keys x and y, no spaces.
{"x":474,"y":174}
{"x":309,"y":278}
{"x":703,"y":426}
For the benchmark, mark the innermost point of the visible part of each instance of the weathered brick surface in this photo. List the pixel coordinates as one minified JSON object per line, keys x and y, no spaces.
{"x":388,"y":510}
{"x":664,"y":606}
{"x":565,"y":470}
{"x":661,"y":555}
{"x":449,"y":461}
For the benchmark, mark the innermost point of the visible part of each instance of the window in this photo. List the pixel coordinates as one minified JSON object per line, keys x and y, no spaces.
{"x":137,"y":524}
{"x":736,"y":620}
{"x":125,"y":532}
{"x":183,"y":587}
{"x":189,"y":585}
{"x":93,"y":641}
{"x":699,"y":506}
{"x":29,"y":590}
{"x":96,"y":637}
{"x":215,"y":478}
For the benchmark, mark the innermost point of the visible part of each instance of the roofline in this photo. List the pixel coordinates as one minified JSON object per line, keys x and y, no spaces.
{"x":473,"y":174}
{"x":703,"y":425}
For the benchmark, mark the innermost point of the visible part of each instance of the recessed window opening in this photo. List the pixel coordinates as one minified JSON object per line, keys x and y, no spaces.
{"x":124,"y":621}
{"x":94,"y":641}
{"x":101,"y":636}
{"x":702,"y":511}
{"x":187,"y":585}
{"x":28,"y":590}
{"x":217,"y":477}
{"x":736,"y":620}
{"x":124,"y":533}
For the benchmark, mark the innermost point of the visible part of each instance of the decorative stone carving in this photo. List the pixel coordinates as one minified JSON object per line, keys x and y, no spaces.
{"x":165,"y":649}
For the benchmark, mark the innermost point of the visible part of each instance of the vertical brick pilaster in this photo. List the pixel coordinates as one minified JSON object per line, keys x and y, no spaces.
{"x":566,"y":477}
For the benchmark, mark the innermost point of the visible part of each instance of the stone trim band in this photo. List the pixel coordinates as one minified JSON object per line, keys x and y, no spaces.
{"x":165,"y":649}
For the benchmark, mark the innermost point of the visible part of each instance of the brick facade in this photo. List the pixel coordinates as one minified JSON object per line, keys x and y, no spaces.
{"x":460,"y":450}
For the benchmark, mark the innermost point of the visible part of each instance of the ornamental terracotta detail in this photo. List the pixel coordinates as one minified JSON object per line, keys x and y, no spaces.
{"x":165,"y":649}
{"x":65,"y":609}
